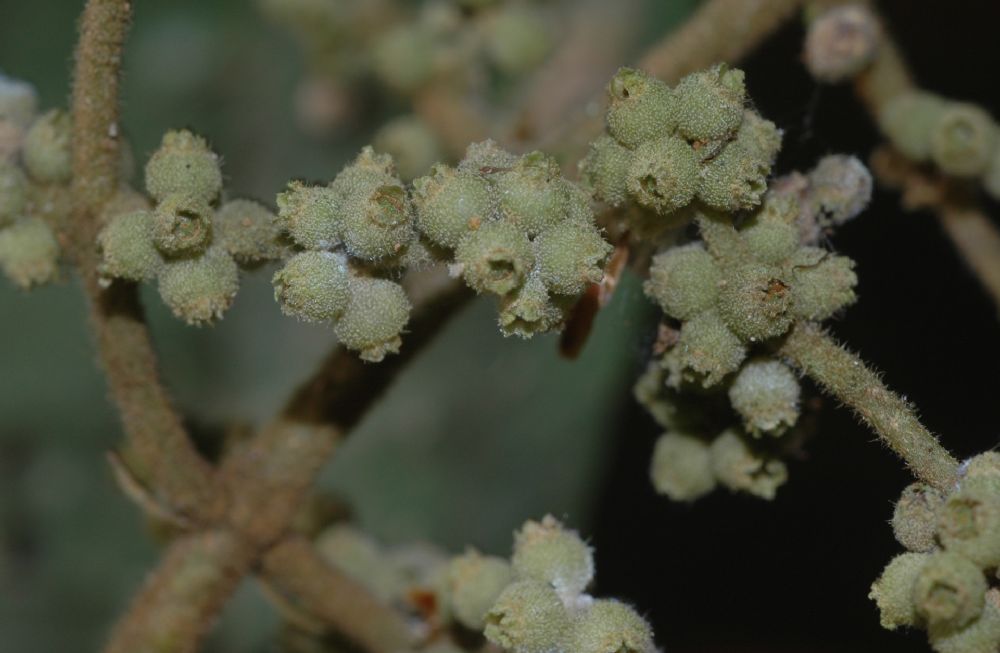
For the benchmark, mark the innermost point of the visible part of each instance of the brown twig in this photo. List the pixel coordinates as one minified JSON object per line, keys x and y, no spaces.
{"x":158,"y":448}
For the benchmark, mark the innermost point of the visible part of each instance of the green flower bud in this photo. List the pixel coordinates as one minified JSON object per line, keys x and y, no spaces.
{"x":963,"y":140}
{"x":495,"y":258}
{"x":403,"y":58}
{"x":982,"y":635}
{"x":411,"y":143}
{"x":13,"y":193}
{"x":529,"y":310}
{"x":663,"y":174}
{"x":709,"y":103}
{"x":908,"y":120}
{"x":969,"y":521}
{"x":449,"y":204}
{"x":313,"y":286}
{"x":708,"y":349}
{"x":248,"y":231}
{"x":984,"y":464}
{"x":684,"y":281}
{"x":18,"y":101}
{"x":893,"y":591}
{"x":734,"y":180}
{"x":475,"y":581}
{"x":377,"y":218}
{"x":46,"y":151}
{"x":199,"y":290}
{"x":528,"y":617}
{"x":609,"y":626}
{"x":570,"y":256}
{"x":310,"y":215}
{"x":549,"y":552}
{"x":766,"y":395}
{"x":769,"y":241}
{"x":641,"y":108}
{"x":357,"y":555}
{"x":915,"y":517}
{"x":822,"y":284}
{"x":841,"y":42}
{"x":840,"y":188}
{"x":376,"y":313}
{"x":755,"y":302}
{"x":605,"y":170}
{"x":182,"y":224}
{"x":531,"y":195}
{"x":184,"y":164}
{"x":486,"y":157}
{"x":759,"y":136}
{"x":29,"y":253}
{"x":516,"y":39}
{"x":127,"y":249}
{"x":741,"y":469}
{"x":948,"y":592}
{"x":681,"y":467}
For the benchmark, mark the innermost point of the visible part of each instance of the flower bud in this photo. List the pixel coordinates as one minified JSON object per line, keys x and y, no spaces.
{"x":199,"y":290}
{"x":358,"y":556}
{"x":755,"y":302}
{"x":403,"y":58}
{"x":963,"y":140}
{"x":313,"y":286}
{"x":449,"y":204}
{"x":915,"y":517}
{"x":893,"y":591}
{"x":529,"y":310}
{"x":734,"y":180}
{"x":182,"y":224}
{"x":681,"y":467}
{"x":841,"y":42}
{"x":741,"y":469}
{"x":610,"y":626}
{"x":29,"y":253}
{"x":708,"y":349}
{"x":486,"y":157}
{"x":908,"y":120}
{"x":376,"y":313}
{"x":766,"y":395}
{"x":13,"y":193}
{"x":663,"y":174}
{"x":411,"y":143}
{"x":684,"y":281}
{"x":822,"y":284}
{"x":948,"y":592}
{"x":127,"y":249}
{"x":516,"y":39}
{"x":532,"y":195}
{"x":46,"y":150}
{"x":770,"y":241}
{"x":840,"y":188}
{"x":709,"y":103}
{"x":969,"y":521}
{"x":248,"y":231}
{"x":528,"y":617}
{"x":18,"y":101}
{"x":981,"y":635}
{"x":570,"y":257}
{"x":984,"y":464}
{"x":474,"y":582}
{"x":641,"y":108}
{"x":310,"y":215}
{"x":184,"y":164}
{"x":495,"y":258}
{"x":376,"y":215}
{"x":605,"y":170}
{"x":549,"y":552}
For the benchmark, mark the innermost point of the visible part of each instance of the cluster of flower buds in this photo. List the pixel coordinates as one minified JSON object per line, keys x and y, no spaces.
{"x":667,"y":147}
{"x":516,"y":228}
{"x":943,"y":583}
{"x":960,"y":138}
{"x":191,"y":241}
{"x":35,"y":171}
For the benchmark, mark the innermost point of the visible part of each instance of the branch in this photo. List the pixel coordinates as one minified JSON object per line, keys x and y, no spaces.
{"x":294,"y":571}
{"x":158,"y":448}
{"x":847,"y":378}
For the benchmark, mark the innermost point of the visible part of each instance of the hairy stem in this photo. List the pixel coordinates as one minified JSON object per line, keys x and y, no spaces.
{"x":294,"y":571}
{"x":847,"y":378}
{"x":158,"y":448}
